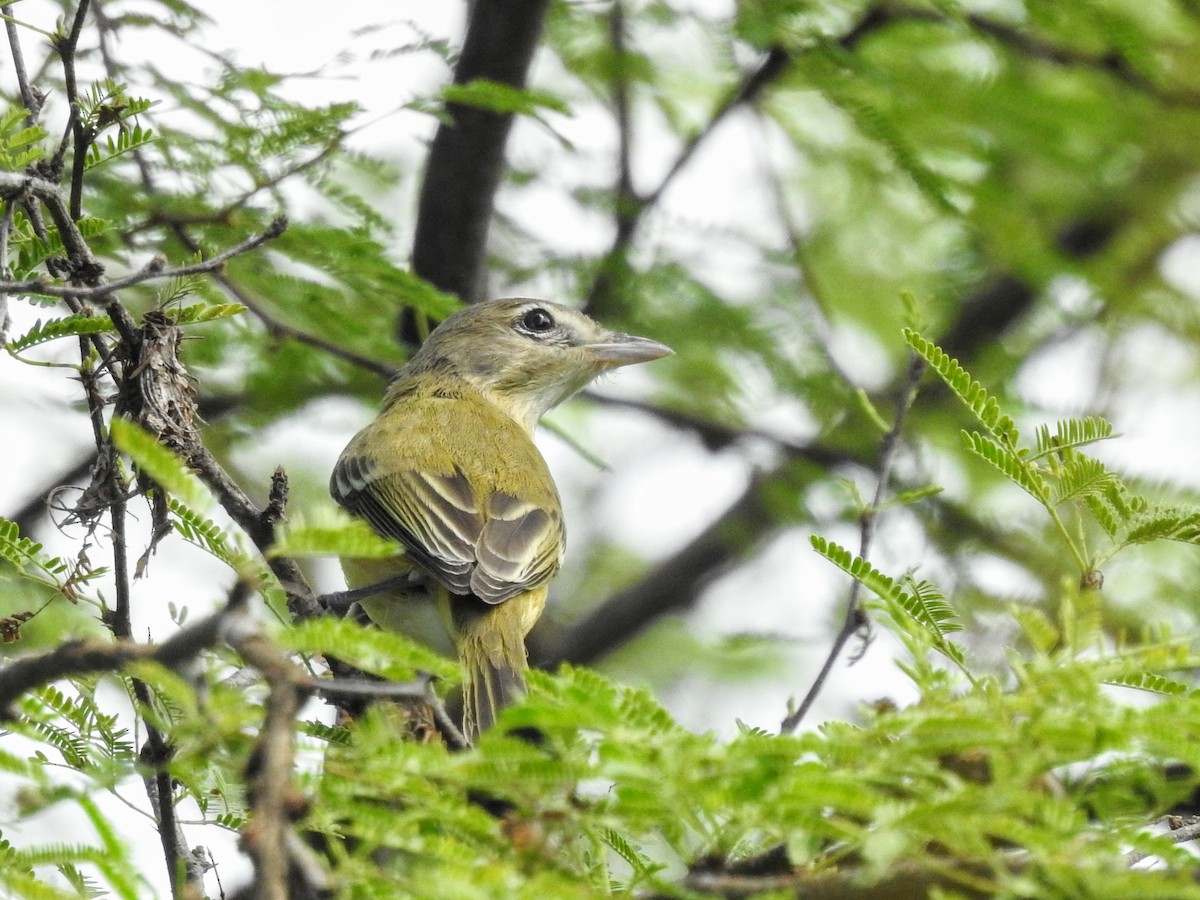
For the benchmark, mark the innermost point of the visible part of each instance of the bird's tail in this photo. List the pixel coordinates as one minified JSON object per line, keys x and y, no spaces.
{"x":491,"y":684}
{"x":491,"y":647}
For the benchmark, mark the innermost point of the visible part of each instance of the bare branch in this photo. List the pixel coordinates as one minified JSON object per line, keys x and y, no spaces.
{"x":67,"y":47}
{"x":905,"y":881}
{"x":29,"y":96}
{"x":301,"y":602}
{"x":152,"y":271}
{"x":856,"y":621}
{"x":282,"y":329}
{"x":631,"y":208}
{"x":87,"y":656}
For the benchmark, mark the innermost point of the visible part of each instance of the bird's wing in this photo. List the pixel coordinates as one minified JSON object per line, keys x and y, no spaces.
{"x":520,"y":547}
{"x":493,"y":550}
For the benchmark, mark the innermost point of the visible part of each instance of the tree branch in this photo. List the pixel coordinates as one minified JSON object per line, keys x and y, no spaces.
{"x":29,"y":97}
{"x":274,"y":803}
{"x":604,"y":292}
{"x":67,"y":47}
{"x":673,"y":584}
{"x":466,"y":159}
{"x":154,"y":270}
{"x":88,"y":656}
{"x":856,"y":621}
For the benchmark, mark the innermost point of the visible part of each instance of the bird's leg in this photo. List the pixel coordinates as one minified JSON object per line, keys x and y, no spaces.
{"x":339,"y":602}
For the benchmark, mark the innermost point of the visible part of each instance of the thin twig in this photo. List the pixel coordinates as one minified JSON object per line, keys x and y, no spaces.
{"x":88,"y":656}
{"x":1181,"y":835}
{"x":301,"y":601}
{"x":856,"y":621}
{"x":67,"y":48}
{"x":6,"y":223}
{"x":633,"y":207}
{"x":31,"y":100}
{"x":627,"y":200}
{"x":152,"y":271}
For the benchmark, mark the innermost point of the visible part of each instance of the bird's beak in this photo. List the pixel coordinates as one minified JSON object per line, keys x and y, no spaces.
{"x":617,"y":349}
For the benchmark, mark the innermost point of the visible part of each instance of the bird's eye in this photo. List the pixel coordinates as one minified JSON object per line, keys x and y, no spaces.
{"x":536,"y":321}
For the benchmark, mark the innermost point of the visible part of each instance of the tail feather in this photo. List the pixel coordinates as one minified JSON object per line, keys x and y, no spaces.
{"x":491,"y":647}
{"x":489,"y":687}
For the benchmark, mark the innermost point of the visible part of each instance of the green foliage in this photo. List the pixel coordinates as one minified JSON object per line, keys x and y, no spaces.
{"x":24,"y":554}
{"x":18,"y":141}
{"x":195,"y":313}
{"x":982,"y":405}
{"x":503,"y":98}
{"x":67,"y":326}
{"x":923,"y":604}
{"x":126,"y":141}
{"x":1057,"y":474}
{"x":33,"y":251}
{"x":160,"y":464}
{"x":200,"y":531}
{"x":332,"y":533}
{"x":380,"y":652}
{"x":615,"y":796}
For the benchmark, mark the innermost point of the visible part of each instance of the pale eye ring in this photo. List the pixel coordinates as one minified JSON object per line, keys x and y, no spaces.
{"x":536,"y":321}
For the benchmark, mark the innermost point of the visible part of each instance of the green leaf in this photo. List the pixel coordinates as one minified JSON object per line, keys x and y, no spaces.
{"x":1165,"y":524}
{"x":926,"y":606}
{"x":202,"y":532}
{"x":968,"y":390}
{"x":1080,"y":478}
{"x":127,"y":141}
{"x":161,"y":464}
{"x":371,"y":649}
{"x":331,"y":533}
{"x":206,"y":312}
{"x":1012,"y":466}
{"x":22,"y":552}
{"x":1071,"y":433}
{"x":504,"y":98}
{"x":67,"y":326}
{"x":18,"y":142}
{"x":873,"y":416}
{"x":1151,"y":682}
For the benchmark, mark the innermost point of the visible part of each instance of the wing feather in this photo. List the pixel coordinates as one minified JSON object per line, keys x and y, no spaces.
{"x":495,"y":552}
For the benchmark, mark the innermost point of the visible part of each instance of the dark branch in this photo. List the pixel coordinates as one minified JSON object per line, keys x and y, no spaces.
{"x":67,"y":47}
{"x":274,"y":802}
{"x":672,"y":585}
{"x":466,"y":160}
{"x":88,"y":656}
{"x":282,"y":329}
{"x":630,"y":209}
{"x":29,"y":97}
{"x":301,"y":602}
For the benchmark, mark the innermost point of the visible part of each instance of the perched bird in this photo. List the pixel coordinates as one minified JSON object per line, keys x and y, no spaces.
{"x":450,"y":470}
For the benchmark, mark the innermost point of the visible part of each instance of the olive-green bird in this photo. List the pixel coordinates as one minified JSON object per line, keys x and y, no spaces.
{"x":450,"y":470}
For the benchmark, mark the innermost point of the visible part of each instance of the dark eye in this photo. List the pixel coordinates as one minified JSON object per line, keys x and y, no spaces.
{"x":536,"y":321}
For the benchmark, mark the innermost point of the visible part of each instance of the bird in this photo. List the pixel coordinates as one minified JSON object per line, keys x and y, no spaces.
{"x":450,"y":470}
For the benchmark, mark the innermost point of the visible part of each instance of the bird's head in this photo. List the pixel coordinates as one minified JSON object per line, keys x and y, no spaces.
{"x":528,"y":356}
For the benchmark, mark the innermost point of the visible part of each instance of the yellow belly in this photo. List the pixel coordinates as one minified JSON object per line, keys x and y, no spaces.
{"x":412,"y":611}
